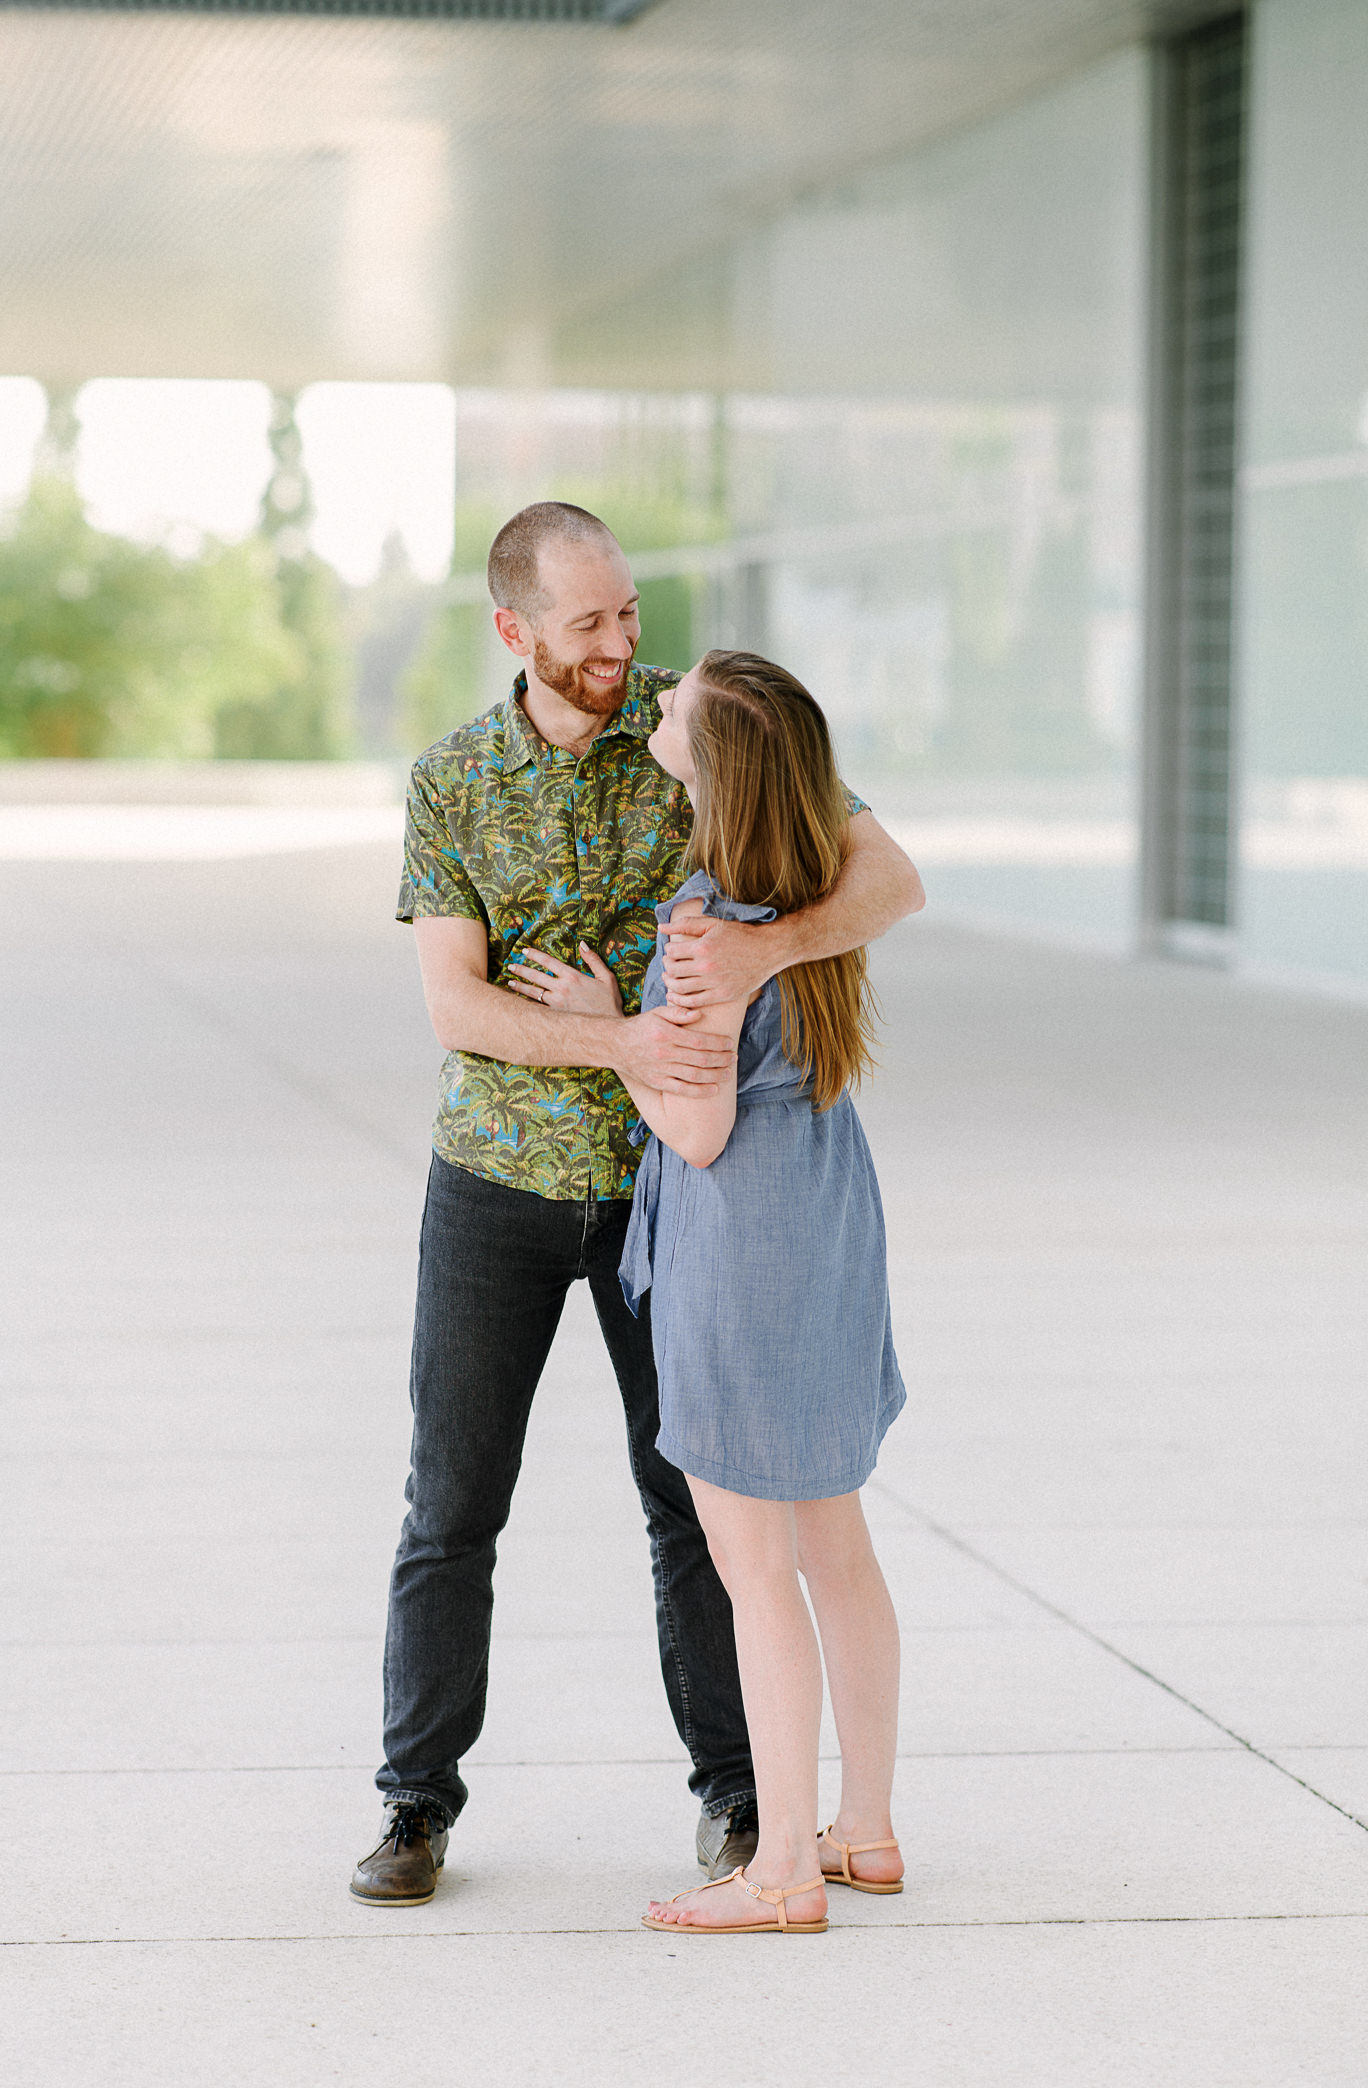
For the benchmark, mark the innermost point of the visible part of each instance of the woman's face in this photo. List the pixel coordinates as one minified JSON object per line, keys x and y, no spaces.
{"x":670,"y":741}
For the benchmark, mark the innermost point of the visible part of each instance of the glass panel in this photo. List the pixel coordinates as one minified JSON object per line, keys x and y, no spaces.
{"x":1304,"y":507}
{"x":943,"y":486}
{"x":917,"y":485}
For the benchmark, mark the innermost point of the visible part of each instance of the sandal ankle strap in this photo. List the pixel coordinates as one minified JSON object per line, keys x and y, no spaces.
{"x":849,"y":1849}
{"x":775,"y":1895}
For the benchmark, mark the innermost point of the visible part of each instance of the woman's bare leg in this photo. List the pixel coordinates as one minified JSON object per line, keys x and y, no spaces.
{"x":754,"y":1547}
{"x":861,"y":1648}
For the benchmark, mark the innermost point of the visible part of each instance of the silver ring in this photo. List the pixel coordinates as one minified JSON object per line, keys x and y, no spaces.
{"x":543,"y":993}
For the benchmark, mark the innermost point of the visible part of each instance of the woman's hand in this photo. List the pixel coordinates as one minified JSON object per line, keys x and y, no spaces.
{"x":556,"y":985}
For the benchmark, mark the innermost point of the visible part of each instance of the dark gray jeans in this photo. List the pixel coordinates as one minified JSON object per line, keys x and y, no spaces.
{"x":494,"y":1267}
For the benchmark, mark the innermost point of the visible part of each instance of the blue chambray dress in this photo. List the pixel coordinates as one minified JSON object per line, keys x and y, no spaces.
{"x":768,"y":1276}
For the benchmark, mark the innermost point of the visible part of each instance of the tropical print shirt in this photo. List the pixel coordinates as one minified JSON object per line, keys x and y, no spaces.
{"x":543,"y":847}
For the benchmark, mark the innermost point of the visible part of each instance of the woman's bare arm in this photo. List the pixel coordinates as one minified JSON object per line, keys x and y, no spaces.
{"x":696,"y":1124}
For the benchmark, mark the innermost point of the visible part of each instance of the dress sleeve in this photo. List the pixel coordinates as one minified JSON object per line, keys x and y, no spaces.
{"x":716,"y":904}
{"x":853,"y":804}
{"x":721,"y":908}
{"x":435,"y":880}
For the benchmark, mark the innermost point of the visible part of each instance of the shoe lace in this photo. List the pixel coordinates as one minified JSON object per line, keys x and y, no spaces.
{"x":408,"y":1824}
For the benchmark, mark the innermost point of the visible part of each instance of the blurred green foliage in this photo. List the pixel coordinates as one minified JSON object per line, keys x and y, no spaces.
{"x":110,"y":647}
{"x":307,"y":715}
{"x":448,"y":683}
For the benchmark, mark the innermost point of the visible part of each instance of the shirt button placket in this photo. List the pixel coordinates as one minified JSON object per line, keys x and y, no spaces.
{"x":583,"y":876}
{"x":589,"y":781}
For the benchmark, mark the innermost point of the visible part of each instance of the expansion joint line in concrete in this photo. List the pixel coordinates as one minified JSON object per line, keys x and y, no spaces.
{"x":1063,"y":1616}
{"x":447,"y":1935}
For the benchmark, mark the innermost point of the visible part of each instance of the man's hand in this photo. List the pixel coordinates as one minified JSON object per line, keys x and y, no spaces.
{"x":707,"y":961}
{"x":658,"y":1050}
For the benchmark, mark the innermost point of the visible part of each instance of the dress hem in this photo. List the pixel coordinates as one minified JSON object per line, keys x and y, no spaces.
{"x":757,"y":1489}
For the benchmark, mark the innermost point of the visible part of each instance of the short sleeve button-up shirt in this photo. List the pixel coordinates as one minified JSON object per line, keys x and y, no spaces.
{"x":541,"y":846}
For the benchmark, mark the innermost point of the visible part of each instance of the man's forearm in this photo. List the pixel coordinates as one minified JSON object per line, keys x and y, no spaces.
{"x":877,"y":887}
{"x":494,"y":1023}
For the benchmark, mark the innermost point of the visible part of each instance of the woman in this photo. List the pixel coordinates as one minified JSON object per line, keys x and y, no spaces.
{"x":757,"y":1227}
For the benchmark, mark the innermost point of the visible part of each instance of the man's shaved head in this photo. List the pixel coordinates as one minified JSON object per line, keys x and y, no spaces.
{"x":515,"y":556}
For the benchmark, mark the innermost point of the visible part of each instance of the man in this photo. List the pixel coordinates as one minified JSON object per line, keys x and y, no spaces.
{"x":544,"y":825}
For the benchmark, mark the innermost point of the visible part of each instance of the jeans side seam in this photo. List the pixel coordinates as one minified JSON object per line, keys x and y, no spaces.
{"x":667,"y":1610}
{"x":680,"y":1670}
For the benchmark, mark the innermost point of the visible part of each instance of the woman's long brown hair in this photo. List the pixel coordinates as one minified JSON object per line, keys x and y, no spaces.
{"x":770,"y":829}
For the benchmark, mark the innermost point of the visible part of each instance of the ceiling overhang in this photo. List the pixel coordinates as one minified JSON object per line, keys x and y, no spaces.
{"x":609,"y":13}
{"x":425,"y":192}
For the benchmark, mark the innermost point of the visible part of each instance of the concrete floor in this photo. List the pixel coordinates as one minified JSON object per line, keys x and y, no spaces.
{"x":1125,"y":1518}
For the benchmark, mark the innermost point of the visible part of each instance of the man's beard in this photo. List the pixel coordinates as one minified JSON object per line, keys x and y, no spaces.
{"x":572,"y":684}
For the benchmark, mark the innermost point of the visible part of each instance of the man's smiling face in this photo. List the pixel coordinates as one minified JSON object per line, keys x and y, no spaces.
{"x":583,"y":641}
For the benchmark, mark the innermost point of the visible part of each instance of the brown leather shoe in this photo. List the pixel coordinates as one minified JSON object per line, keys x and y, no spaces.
{"x":401,"y":1871}
{"x":726,"y":1840}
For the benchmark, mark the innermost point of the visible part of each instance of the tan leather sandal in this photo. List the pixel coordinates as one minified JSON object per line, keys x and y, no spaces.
{"x":773,"y":1896}
{"x":844,"y":1876}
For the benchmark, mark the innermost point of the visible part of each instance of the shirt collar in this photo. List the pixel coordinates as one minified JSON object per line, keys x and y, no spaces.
{"x":523,"y":742}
